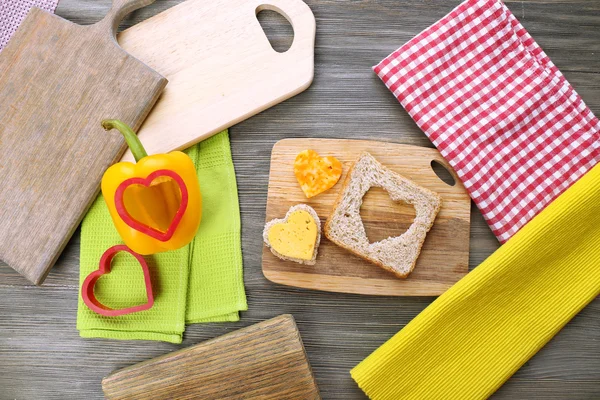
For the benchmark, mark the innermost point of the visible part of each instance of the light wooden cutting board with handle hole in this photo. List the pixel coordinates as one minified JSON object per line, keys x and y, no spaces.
{"x":444,"y":258}
{"x":220,"y":65}
{"x":58,"y":81}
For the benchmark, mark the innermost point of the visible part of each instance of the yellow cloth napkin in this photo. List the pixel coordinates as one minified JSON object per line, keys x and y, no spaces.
{"x":469,"y":341}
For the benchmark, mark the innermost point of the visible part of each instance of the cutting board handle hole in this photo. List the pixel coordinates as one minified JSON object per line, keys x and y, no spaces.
{"x":442,"y":172}
{"x":277,"y":29}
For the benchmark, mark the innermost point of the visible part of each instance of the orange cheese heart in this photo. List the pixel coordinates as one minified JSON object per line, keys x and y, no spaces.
{"x":316,"y":174}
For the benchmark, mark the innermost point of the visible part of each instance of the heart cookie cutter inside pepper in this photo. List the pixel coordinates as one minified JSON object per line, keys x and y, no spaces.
{"x":87,"y":289}
{"x":155,"y":203}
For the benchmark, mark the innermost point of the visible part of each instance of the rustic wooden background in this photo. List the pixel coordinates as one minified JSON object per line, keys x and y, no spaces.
{"x":41,"y":353}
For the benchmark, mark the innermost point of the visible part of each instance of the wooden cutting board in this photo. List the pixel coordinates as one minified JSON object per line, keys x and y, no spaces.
{"x":444,"y":257}
{"x":220,"y":65}
{"x":263,"y":361}
{"x":58,"y":80}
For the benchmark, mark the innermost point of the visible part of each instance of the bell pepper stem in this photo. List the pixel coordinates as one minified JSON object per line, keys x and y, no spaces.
{"x":136,"y":147}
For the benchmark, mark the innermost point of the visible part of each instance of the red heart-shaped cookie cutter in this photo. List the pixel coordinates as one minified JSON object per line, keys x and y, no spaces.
{"x":137,"y":225}
{"x":87,"y":290}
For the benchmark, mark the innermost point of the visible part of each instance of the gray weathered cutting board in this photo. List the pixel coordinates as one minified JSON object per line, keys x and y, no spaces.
{"x":58,"y":80}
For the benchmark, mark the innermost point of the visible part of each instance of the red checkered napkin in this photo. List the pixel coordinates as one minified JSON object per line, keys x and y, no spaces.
{"x":496,"y":107}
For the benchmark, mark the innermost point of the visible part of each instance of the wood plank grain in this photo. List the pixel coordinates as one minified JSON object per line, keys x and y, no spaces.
{"x":444,"y":256}
{"x":262,"y":361}
{"x":58,"y":81}
{"x":41,"y":354}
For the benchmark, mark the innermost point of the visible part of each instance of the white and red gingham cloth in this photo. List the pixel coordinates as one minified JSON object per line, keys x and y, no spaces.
{"x":496,"y":107}
{"x":13,"y":12}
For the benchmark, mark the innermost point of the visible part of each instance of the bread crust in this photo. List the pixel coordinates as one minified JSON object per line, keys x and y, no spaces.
{"x":313,"y":214}
{"x":343,"y":193}
{"x":326,"y":228}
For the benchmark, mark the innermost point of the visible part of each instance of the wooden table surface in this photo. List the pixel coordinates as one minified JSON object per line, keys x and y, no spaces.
{"x":41,"y":353}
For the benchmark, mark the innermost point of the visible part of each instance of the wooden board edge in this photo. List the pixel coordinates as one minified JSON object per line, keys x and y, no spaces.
{"x":354,"y":285}
{"x":280,"y":319}
{"x":436,"y":155}
{"x":290,"y":318}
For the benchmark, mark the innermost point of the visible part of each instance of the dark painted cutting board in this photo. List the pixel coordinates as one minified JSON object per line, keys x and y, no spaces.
{"x":263,"y":361}
{"x":58,"y":80}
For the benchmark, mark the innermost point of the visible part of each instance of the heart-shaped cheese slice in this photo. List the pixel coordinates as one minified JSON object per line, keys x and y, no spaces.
{"x":316,"y":174}
{"x":296,"y":237}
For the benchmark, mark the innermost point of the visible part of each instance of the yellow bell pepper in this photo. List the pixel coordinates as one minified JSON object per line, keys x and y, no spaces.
{"x":155,"y":203}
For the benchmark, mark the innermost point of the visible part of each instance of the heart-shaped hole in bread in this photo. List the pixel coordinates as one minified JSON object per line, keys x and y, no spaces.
{"x":382,"y":217}
{"x":345,"y":225}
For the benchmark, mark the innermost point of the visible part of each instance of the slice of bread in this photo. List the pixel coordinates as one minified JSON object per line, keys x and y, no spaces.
{"x":345,"y":228}
{"x":313,"y":214}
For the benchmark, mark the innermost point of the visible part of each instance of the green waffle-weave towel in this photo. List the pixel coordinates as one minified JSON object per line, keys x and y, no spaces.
{"x":202,"y":282}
